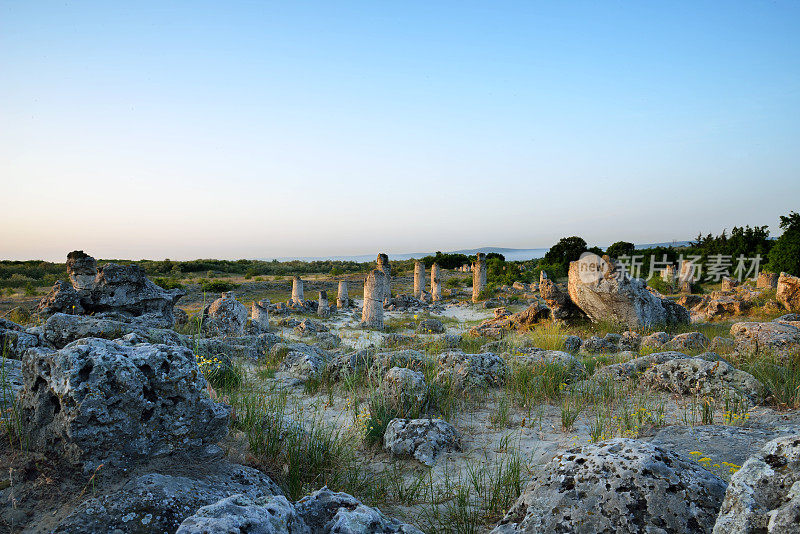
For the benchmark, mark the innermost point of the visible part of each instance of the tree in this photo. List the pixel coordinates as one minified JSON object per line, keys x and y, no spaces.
{"x":785,"y":254}
{"x":621,"y":248}
{"x":497,"y":255}
{"x":566,"y":250}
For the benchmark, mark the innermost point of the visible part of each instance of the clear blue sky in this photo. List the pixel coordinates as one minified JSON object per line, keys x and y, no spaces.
{"x":259,"y":129}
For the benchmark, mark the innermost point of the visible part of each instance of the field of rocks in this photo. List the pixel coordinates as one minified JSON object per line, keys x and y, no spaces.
{"x":410,"y":402}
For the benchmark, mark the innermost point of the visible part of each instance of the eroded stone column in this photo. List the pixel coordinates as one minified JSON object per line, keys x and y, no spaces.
{"x":478,"y":276}
{"x":372,"y":312}
{"x":297,"y":291}
{"x":342,"y":300}
{"x":259,"y":314}
{"x":436,"y":283}
{"x":81,"y":269}
{"x":419,"y":279}
{"x":383,"y":265}
{"x":766,"y":280}
{"x":323,"y":308}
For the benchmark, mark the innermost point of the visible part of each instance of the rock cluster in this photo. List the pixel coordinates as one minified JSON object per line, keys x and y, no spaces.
{"x":422,"y":439}
{"x":120,"y":292}
{"x":788,"y":292}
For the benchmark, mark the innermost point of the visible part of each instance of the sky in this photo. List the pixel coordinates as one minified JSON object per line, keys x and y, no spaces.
{"x":262,"y":129}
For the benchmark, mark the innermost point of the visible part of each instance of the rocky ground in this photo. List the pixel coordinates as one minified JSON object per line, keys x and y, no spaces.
{"x":518,"y":414}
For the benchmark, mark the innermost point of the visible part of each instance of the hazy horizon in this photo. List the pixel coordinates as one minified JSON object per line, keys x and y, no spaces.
{"x":246,"y":130}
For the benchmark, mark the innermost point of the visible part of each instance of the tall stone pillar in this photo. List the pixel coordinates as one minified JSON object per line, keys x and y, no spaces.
{"x":297,"y":291}
{"x":419,"y":279}
{"x":259,"y":314}
{"x":342,"y":300}
{"x":372,"y":312}
{"x":82,"y":270}
{"x":478,"y":276}
{"x":383,"y":265}
{"x":436,"y":283}
{"x":323,"y":309}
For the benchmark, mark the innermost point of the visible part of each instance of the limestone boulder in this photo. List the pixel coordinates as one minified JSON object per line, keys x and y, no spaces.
{"x":97,"y":401}
{"x":764,"y":495}
{"x":617,"y":486}
{"x":226,"y":316}
{"x":300,"y":361}
{"x":241,"y":513}
{"x":422,"y":439}
{"x":15,"y":340}
{"x":161,"y":501}
{"x":687,"y":376}
{"x":60,"y":329}
{"x":604,"y":293}
{"x":404,"y":389}
{"x":538,"y":357}
{"x":598,"y":345}
{"x":635,"y":366}
{"x":430,"y":326}
{"x":781,"y":340}
{"x":561,"y":306}
{"x":788,"y":292}
{"x":471,"y":370}
{"x":688,"y":341}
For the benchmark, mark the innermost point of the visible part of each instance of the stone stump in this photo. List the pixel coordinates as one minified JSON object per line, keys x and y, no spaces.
{"x":436,"y":283}
{"x":767,"y":280}
{"x":383,"y":265}
{"x":372,"y":312}
{"x":478,"y":276}
{"x":259,"y":314}
{"x":323,"y":309}
{"x":342,"y":300}
{"x":297,"y":291}
{"x":419,"y":279}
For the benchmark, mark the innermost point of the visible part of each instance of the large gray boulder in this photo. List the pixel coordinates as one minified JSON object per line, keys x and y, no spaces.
{"x":561,"y":306}
{"x":300,"y":361}
{"x":159,"y":502}
{"x":97,"y":401}
{"x":764,"y":495}
{"x":617,"y":486}
{"x":471,"y":370}
{"x":14,"y":340}
{"x":120,"y":292}
{"x":226,"y":316}
{"x":404,"y":390}
{"x":781,"y":340}
{"x":788,"y":292}
{"x":422,"y":439}
{"x":604,"y":293}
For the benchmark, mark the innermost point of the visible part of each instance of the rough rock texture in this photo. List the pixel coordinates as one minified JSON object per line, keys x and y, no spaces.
{"x":656,"y":340}
{"x":471,"y":370}
{"x":617,"y":486}
{"x":695,"y":375}
{"x":61,"y":329}
{"x":430,"y":326}
{"x":226,"y":316}
{"x":423,"y":439}
{"x":689,"y":341}
{"x":374,"y":287}
{"x":436,"y":283}
{"x":504,"y":321}
{"x":383,"y":265}
{"x":97,"y":401}
{"x":419,"y":279}
{"x":538,"y":357}
{"x":478,"y":276}
{"x":598,"y":345}
{"x":323,"y":308}
{"x":764,"y":495}
{"x":561,"y":306}
{"x":404,"y":389}
{"x":767,"y":280}
{"x":572,"y":343}
{"x":62,"y":298}
{"x":301,"y":361}
{"x":610,"y":295}
{"x":14,"y":340}
{"x":383,"y":361}
{"x":788,"y":292}
{"x":635,"y":366}
{"x":326,"y":512}
{"x":158,"y":502}
{"x":122,"y":292}
{"x":630,"y":340}
{"x":240,"y":514}
{"x":298,"y":298}
{"x":259,"y":315}
{"x":778,"y":339}
{"x":11,"y":373}
{"x":342,"y":298}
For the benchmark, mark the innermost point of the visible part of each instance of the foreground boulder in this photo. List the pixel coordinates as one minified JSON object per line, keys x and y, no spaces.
{"x":504,"y":321}
{"x":323,"y":512}
{"x":781,"y":340}
{"x":120,"y":292}
{"x":764,"y":495}
{"x":561,"y":306}
{"x":471,"y":370}
{"x":788,"y":292}
{"x":604,"y":293}
{"x":60,"y":329}
{"x":226,"y":316}
{"x":617,"y":486}
{"x":422,"y":439}
{"x":15,"y":340}
{"x":719,"y":379}
{"x":404,"y":390}
{"x":97,"y":401}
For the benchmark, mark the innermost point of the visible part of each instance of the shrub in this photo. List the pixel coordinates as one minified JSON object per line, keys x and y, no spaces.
{"x":217,"y":286}
{"x":167,"y":283}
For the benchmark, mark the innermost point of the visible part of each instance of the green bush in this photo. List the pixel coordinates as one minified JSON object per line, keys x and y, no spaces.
{"x":167,"y":283}
{"x":785,"y":254}
{"x":217,"y":286}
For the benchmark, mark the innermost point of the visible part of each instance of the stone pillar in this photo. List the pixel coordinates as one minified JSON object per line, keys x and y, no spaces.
{"x":668,"y":274}
{"x":297,"y":291}
{"x":259,"y":314}
{"x":323,"y":309}
{"x":82,"y":270}
{"x":419,"y":279}
{"x":767,"y":280}
{"x":478,"y":276}
{"x":342,"y":300}
{"x":383,"y":265}
{"x":436,"y":283}
{"x":372,"y":312}
{"x":728,"y":284}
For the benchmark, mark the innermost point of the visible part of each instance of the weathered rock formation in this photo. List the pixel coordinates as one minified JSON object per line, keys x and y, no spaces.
{"x":298,"y":299}
{"x":342,"y":299}
{"x":372,"y":311}
{"x":478,"y":276}
{"x":561,"y":306}
{"x":97,"y":401}
{"x":766,"y":280}
{"x":436,"y":283}
{"x":226,"y":316}
{"x":259,"y":315}
{"x":419,"y":279}
{"x":422,"y":439}
{"x":604,"y":293}
{"x":788,"y":292}
{"x":778,"y":339}
{"x":323,"y":308}
{"x":120,"y":292}
{"x":386,"y":268}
